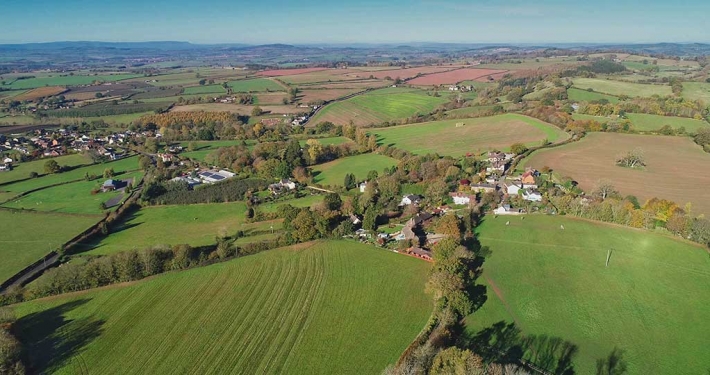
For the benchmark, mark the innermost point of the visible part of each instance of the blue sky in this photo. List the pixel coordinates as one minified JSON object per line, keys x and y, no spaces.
{"x":350,"y":21}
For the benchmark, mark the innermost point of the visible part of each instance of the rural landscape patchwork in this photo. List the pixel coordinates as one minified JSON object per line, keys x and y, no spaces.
{"x":345,"y":204}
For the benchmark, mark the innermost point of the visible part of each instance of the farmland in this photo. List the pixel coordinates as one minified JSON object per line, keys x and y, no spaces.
{"x":379,"y":106}
{"x":644,"y":122}
{"x":617,"y":88}
{"x":588,"y":96}
{"x":41,"y":92}
{"x":454,"y":76}
{"x":255,"y":85}
{"x":475,"y":136}
{"x":33,"y":235}
{"x":266,"y":313}
{"x":236,"y":108}
{"x":67,"y":80}
{"x":22,"y":171}
{"x":288,"y":72}
{"x":209,"y":89}
{"x":404,"y":73}
{"x":651,"y":302}
{"x":594,"y":158}
{"x":333,"y":173}
{"x":697,"y":91}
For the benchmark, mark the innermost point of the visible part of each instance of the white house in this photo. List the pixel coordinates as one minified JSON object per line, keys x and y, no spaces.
{"x":462,"y":198}
{"x":363,"y":186}
{"x":532,"y":196}
{"x":290,"y":185}
{"x":7,"y":161}
{"x":506,"y":210}
{"x":496,"y":166}
{"x":410,"y":199}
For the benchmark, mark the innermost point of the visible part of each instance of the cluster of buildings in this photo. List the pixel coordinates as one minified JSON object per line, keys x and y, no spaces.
{"x":462,"y":88}
{"x":53,"y":143}
{"x":284,"y":185}
{"x":206,"y":176}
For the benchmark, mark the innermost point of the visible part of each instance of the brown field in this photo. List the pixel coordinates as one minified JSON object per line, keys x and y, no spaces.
{"x":404,"y":73}
{"x":325,"y":76}
{"x":272,"y":98}
{"x":41,"y":92}
{"x":306,"y":96}
{"x":288,"y":72}
{"x":359,"y":84}
{"x":675,"y":167}
{"x":454,"y":76}
{"x":237,"y":108}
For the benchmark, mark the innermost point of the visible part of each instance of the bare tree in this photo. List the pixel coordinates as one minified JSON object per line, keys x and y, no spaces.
{"x":632,"y":159}
{"x":605,"y":189}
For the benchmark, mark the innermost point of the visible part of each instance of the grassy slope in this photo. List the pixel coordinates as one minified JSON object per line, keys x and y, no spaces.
{"x":644,"y":122}
{"x":23,"y":170}
{"x":443,"y":137}
{"x":333,"y":307}
{"x":586,"y":96}
{"x":697,"y":91}
{"x":622,"y":88}
{"x":259,"y":84}
{"x":333,"y":173}
{"x":651,"y":301}
{"x":27,"y":237}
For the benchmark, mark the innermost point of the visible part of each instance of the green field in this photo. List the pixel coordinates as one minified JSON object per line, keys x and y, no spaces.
{"x":587,"y":96}
{"x":697,"y":91}
{"x":27,"y":237}
{"x":255,"y":85}
{"x":74,"y":198}
{"x":475,"y":136}
{"x":644,"y":122}
{"x":22,"y":171}
{"x":306,"y":201}
{"x":324,"y":308}
{"x":333,"y":173}
{"x":209,"y":89}
{"x":335,"y":141}
{"x":203,"y":148}
{"x":618,"y":88}
{"x":66,"y":81}
{"x":379,"y":106}
{"x":652,"y":300}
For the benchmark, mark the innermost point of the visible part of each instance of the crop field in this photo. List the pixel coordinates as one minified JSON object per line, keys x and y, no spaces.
{"x":645,"y":122}
{"x":307,"y":201}
{"x":267,"y":313}
{"x":27,"y":237}
{"x":333,"y":173}
{"x":307,"y":96}
{"x":475,"y":136}
{"x":588,"y":96}
{"x":32,"y":83}
{"x":270,"y":98}
{"x":622,"y":88}
{"x":17,"y":120}
{"x":236,"y":108}
{"x":22,"y":171}
{"x":359,"y":85}
{"x":325,"y":76}
{"x":379,"y":106}
{"x":697,"y":91}
{"x":41,"y":92}
{"x":75,"y":198}
{"x":255,"y":85}
{"x":209,"y":89}
{"x":651,"y":302}
{"x":404,"y":73}
{"x":288,"y":72}
{"x":466,"y":111}
{"x":454,"y":76}
{"x":665,"y":176}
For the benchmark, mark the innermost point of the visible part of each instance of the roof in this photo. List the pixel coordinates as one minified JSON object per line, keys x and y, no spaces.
{"x":421,"y":252}
{"x":109,"y":183}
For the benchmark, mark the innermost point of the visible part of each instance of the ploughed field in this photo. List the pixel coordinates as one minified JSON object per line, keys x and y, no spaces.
{"x":476,"y":135}
{"x":317,"y":308}
{"x":651,"y":302}
{"x":675,"y":166}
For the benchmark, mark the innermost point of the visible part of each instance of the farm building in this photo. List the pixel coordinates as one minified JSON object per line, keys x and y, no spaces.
{"x":210,"y":177}
{"x":421,"y":253}
{"x":109,"y":185}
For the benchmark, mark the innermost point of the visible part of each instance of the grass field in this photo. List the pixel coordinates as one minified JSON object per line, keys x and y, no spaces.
{"x":476,"y":136}
{"x":329,"y":141}
{"x":255,"y":85}
{"x":622,"y":88}
{"x":203,"y":148}
{"x":697,"y":91}
{"x":672,"y":167}
{"x":651,"y":302}
{"x":27,"y":237}
{"x":644,"y":122}
{"x":379,"y":106}
{"x":22,"y":171}
{"x":66,"y":81}
{"x":75,"y":198}
{"x":323,"y":308}
{"x":586,"y":96}
{"x":209,"y":89}
{"x":333,"y":173}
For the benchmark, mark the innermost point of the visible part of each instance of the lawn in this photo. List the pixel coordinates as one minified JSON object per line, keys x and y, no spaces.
{"x":475,"y":136}
{"x":379,"y":106}
{"x":209,"y":89}
{"x":333,"y":173}
{"x":644,"y":122}
{"x":67,"y":80}
{"x":320,"y":308}
{"x":697,"y":91}
{"x":651,"y":302}
{"x":75,"y":198}
{"x":587,"y":96}
{"x":671,"y":173}
{"x":27,"y":237}
{"x":618,"y":88}
{"x":22,"y":171}
{"x":255,"y":85}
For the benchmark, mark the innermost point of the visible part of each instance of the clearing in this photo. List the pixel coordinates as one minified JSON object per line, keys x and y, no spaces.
{"x":333,"y":173}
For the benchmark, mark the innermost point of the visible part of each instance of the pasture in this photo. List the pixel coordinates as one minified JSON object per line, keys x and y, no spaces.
{"x":288,"y":72}
{"x":589,"y":96}
{"x":475,"y":136}
{"x":454,"y":76}
{"x":333,"y":173}
{"x":22,"y":171}
{"x":203,"y":148}
{"x":208,"y":89}
{"x":255,"y":85}
{"x":357,"y":307}
{"x":379,"y":106}
{"x":66,"y":80}
{"x":618,"y":88}
{"x":651,"y":302}
{"x":645,"y":122}
{"x":671,"y":173}
{"x":27,"y":236}
{"x":697,"y":91}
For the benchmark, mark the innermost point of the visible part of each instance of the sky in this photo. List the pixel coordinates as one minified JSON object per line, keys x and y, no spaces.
{"x":356,"y":21}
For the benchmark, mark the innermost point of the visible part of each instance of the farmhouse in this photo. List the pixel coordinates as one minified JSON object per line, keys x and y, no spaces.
{"x":528,"y":178}
{"x":282,"y":185}
{"x":461,"y":198}
{"x":166,"y":157}
{"x":410,"y":199}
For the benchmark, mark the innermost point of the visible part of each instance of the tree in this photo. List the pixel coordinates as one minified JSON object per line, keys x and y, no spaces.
{"x":145,"y":162}
{"x":109,"y":173}
{"x":256,"y":111}
{"x":332,"y":202}
{"x":315,"y":150}
{"x":437,"y":192}
{"x":454,"y":361}
{"x":51,"y":167}
{"x":304,"y":226}
{"x":632,"y":159}
{"x":449,"y":225}
{"x":369,"y":221}
{"x":349,"y":181}
{"x":202,"y":82}
{"x":372,"y":175}
{"x":605,"y":189}
{"x":518,"y":148}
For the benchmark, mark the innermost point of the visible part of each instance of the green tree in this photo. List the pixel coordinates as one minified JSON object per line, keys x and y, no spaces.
{"x":518,"y":148}
{"x":51,"y":167}
{"x":145,"y":162}
{"x":304,"y":226}
{"x":455,"y":361}
{"x":332,"y":202}
{"x":109,"y":173}
{"x":349,"y":181}
{"x":437,"y":192}
{"x":369,"y":222}
{"x":257,"y":111}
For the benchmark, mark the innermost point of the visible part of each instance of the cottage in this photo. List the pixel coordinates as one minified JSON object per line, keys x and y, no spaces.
{"x":494,"y":156}
{"x":355,"y":219}
{"x":461,"y":198}
{"x":290,"y":185}
{"x":166,"y":158}
{"x":410,"y":199}
{"x":512,"y":188}
{"x":7,"y":161}
{"x":506,"y":210}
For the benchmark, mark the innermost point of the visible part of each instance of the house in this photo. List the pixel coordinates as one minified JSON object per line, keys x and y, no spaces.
{"x":284,"y":184}
{"x":422,"y":218}
{"x":532,"y":195}
{"x":528,"y":178}
{"x":484,"y":188}
{"x":355,"y":219}
{"x":464,"y":182}
{"x":166,"y":157}
{"x":420,"y":253}
{"x":496,"y":166}
{"x":4,"y":167}
{"x":461,"y":198}
{"x":109,"y":185}
{"x":7,"y":161}
{"x":363,"y":186}
{"x":290,"y":185}
{"x":512,"y":188}
{"x":410,"y":199}
{"x":506,"y":210}
{"x":494,"y":156}
{"x":407,"y":232}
